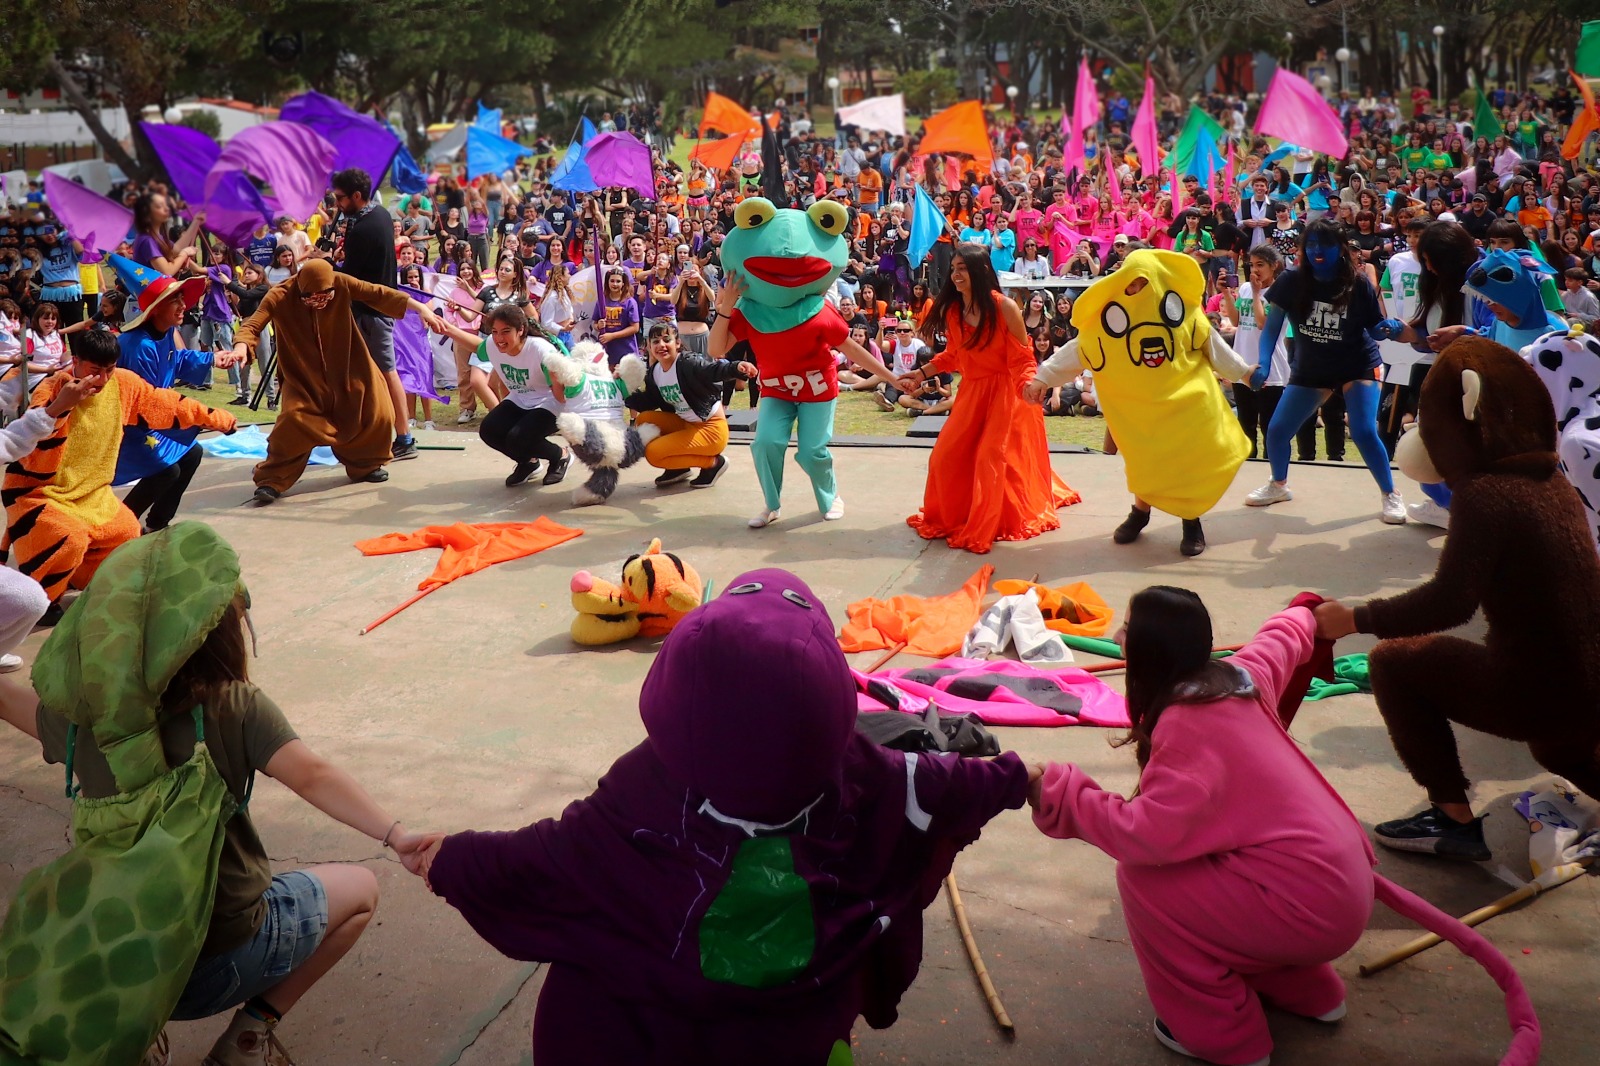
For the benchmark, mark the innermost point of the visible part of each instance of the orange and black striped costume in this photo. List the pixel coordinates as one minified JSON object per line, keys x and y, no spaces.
{"x":62,"y":518}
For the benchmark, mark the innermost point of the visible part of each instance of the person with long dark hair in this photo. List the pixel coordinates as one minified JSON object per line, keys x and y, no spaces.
{"x":989,"y":477}
{"x":151,"y":246}
{"x":1337,"y":321}
{"x":1229,"y":900}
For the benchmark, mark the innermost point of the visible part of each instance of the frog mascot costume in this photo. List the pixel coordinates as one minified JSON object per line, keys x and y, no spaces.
{"x":779,"y":262}
{"x":1143,"y":332}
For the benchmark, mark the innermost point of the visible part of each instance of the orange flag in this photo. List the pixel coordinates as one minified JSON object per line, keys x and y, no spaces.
{"x":1072,"y":608}
{"x":959,"y":128}
{"x":1585,"y":122}
{"x":725,"y":116}
{"x":470,"y":548}
{"x":926,"y":625}
{"x":719,"y":155}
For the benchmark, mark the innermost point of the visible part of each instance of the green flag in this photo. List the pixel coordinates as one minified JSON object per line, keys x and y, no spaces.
{"x":1586,"y":60}
{"x":1484,"y":122}
{"x":1182,"y":159}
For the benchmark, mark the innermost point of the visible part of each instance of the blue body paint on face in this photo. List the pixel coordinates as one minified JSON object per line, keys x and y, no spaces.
{"x":1323,"y":255}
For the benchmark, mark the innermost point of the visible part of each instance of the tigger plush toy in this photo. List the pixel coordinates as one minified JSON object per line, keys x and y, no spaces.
{"x":657,"y":590}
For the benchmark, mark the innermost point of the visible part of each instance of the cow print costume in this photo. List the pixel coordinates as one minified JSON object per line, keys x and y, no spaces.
{"x":1568,"y":362}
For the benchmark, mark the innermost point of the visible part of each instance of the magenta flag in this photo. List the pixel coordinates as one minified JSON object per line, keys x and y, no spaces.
{"x":276,"y":168}
{"x":1295,"y":112}
{"x":1146,"y":141}
{"x":90,"y":219}
{"x":1085,"y":114}
{"x":1227,"y":171}
{"x":621,"y":160}
{"x":186,"y":155}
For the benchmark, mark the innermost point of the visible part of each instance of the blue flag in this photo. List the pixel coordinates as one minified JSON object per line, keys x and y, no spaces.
{"x":490,"y":153}
{"x":488,"y":118}
{"x":405,"y":175}
{"x":572,"y":173}
{"x":927,"y":223}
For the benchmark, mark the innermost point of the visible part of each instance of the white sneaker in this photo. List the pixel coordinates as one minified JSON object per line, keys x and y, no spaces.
{"x":1394,"y":509}
{"x":1337,"y":1014}
{"x":412,"y":423}
{"x":1269,"y":494}
{"x":465,"y":417}
{"x":835,"y":512}
{"x":1428,"y":513}
{"x":429,"y":426}
{"x":764,"y":519}
{"x":9,"y":663}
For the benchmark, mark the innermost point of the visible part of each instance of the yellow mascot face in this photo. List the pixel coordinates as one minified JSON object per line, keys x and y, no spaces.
{"x":1144,"y":319}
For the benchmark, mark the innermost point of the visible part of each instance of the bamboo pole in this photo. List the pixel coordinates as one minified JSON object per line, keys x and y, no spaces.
{"x":985,"y":983}
{"x":1477,"y":917}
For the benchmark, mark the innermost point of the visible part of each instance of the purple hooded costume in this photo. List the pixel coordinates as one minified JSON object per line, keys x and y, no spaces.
{"x":748,"y":880}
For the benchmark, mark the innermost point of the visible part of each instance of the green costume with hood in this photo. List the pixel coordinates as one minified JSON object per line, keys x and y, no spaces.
{"x":98,"y":945}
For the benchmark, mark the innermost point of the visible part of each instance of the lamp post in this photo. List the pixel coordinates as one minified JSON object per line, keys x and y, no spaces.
{"x":173,"y":116}
{"x":1438,"y":59}
{"x":1343,"y":56}
{"x":1011,"y":95}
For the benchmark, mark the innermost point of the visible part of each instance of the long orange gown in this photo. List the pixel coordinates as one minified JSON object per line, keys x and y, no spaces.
{"x":989,"y":477}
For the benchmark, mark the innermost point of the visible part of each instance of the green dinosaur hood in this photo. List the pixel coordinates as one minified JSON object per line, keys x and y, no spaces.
{"x":149,"y":607}
{"x":787,"y":258}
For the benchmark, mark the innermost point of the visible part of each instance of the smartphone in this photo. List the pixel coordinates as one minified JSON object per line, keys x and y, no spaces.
{"x":1230,"y":281}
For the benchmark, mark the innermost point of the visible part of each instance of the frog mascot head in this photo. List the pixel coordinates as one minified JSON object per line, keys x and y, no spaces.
{"x":787,"y":258}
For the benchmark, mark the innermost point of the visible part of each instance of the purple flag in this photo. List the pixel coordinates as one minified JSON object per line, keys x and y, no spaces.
{"x":622,"y":160}
{"x":360,"y":141}
{"x":92,"y":220}
{"x":413,"y":353}
{"x":186,"y":155}
{"x":276,"y":168}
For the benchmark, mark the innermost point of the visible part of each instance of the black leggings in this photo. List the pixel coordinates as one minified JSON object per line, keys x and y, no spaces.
{"x":1333,"y":432}
{"x":1255,"y":410}
{"x":161,"y":492}
{"x":521,"y":434}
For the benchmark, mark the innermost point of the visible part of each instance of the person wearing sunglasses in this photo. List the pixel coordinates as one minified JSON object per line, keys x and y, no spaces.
{"x":902,"y":353}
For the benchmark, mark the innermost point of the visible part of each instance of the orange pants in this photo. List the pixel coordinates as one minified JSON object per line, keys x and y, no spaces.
{"x":683,"y":444}
{"x":59,"y":550}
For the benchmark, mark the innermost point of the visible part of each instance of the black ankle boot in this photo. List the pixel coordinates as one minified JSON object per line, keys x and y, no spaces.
{"x":1131,"y":527}
{"x":1194,"y":538}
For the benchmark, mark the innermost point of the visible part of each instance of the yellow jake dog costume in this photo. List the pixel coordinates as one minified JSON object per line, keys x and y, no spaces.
{"x":657,"y":590}
{"x":1155,"y":358}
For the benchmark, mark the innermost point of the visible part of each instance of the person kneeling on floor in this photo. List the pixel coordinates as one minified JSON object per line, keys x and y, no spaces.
{"x":682,"y":398}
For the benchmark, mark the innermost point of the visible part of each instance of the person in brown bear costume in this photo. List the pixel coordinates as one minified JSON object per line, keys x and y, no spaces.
{"x":1519,"y":548}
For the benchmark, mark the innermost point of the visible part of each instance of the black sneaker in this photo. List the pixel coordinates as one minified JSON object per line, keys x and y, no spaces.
{"x":1434,"y":832}
{"x":1131,"y":526}
{"x":239,"y":401}
{"x":266,"y":494}
{"x":272,"y":405}
{"x":672,"y":477}
{"x":557,"y":471}
{"x":377,"y":477}
{"x":405,"y":448}
{"x":52,"y":615}
{"x":1194,"y":538}
{"x":709,"y":475}
{"x":521,"y":473}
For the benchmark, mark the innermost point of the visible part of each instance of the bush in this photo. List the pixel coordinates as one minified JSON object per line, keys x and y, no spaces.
{"x":205,"y":121}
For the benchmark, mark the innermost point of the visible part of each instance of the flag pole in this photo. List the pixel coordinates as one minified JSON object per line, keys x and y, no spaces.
{"x":375,"y":623}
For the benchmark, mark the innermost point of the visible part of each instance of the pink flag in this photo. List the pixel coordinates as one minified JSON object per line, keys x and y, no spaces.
{"x":1227,"y":172}
{"x":90,"y":219}
{"x":1085,"y":114}
{"x":1114,"y":180}
{"x":1145,"y":139}
{"x":1295,"y":112}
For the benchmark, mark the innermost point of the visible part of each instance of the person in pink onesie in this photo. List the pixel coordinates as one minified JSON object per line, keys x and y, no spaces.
{"x":1242,"y":873}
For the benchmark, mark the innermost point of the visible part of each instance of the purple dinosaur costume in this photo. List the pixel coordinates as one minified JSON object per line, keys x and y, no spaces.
{"x":748,"y":880}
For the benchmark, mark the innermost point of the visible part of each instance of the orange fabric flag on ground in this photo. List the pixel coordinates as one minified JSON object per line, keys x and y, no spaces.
{"x":933,"y":626}
{"x":1072,"y":608}
{"x":469,"y":548}
{"x":958,"y":128}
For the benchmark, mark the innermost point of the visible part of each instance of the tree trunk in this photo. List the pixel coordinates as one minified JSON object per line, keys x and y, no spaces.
{"x":90,"y":114}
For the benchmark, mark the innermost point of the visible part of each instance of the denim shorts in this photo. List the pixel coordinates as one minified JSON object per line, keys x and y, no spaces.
{"x":297,"y":918}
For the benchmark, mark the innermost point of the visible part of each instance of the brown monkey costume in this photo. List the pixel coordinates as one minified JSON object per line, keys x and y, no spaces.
{"x":1519,"y":548}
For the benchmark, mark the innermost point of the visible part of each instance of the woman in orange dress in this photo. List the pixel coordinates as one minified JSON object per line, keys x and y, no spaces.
{"x":989,"y":477}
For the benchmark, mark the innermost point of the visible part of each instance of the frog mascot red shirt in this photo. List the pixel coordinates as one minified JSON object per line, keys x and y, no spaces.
{"x":785,"y":260}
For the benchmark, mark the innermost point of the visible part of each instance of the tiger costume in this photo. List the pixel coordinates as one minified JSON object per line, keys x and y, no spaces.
{"x":62,"y":519}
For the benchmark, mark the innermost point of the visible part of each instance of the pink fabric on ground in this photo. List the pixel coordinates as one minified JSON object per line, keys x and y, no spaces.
{"x":1101,"y":705}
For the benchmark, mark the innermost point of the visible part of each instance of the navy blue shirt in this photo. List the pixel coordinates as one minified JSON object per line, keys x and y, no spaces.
{"x":1331,"y":344}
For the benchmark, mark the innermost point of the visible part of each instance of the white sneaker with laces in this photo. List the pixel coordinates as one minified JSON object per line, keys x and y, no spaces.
{"x":1428,"y":513}
{"x":764,"y":519}
{"x":9,"y":663}
{"x":1337,"y":1013}
{"x":1394,"y":509}
{"x":428,"y":425}
{"x":412,"y":423}
{"x":835,"y":512}
{"x":1267,"y":495}
{"x":465,"y":417}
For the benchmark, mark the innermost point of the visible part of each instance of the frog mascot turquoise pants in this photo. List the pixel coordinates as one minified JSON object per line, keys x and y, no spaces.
{"x":786,"y":259}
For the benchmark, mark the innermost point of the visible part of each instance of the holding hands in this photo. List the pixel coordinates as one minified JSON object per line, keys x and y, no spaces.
{"x":1034,"y":390}
{"x":1334,"y":620}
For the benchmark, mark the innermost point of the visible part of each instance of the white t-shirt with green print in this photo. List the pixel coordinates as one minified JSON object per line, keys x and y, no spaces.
{"x":528,"y":384}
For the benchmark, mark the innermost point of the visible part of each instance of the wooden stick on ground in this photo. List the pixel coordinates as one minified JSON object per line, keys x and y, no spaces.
{"x":884,"y":659}
{"x":990,"y":996}
{"x":1477,"y":917}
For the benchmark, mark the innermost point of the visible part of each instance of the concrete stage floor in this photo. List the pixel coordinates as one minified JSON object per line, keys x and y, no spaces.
{"x":473,"y":709}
